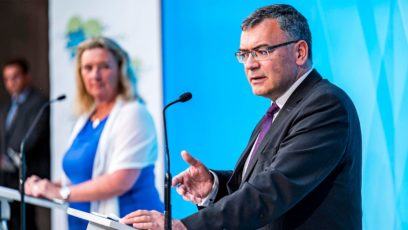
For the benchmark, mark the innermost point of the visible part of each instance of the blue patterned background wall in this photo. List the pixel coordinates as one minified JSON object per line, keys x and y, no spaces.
{"x":360,"y":45}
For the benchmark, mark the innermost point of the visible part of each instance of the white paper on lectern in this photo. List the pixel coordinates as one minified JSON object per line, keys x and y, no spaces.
{"x":91,"y":218}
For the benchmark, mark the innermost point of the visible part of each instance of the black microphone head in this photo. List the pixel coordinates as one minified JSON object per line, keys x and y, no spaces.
{"x":61,"y":97}
{"x":185,"y":97}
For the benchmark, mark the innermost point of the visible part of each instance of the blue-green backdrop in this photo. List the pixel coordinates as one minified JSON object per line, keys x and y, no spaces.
{"x":360,"y":45}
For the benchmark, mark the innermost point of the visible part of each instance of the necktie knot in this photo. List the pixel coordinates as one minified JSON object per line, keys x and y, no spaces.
{"x":16,"y":101}
{"x":272,"y":110}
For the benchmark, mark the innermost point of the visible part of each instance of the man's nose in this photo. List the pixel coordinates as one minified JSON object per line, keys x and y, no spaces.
{"x":251,"y":63}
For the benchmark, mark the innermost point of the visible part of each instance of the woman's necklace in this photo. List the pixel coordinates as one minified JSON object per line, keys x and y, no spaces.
{"x":99,"y":114}
{"x":96,"y":120}
{"x":95,"y":123}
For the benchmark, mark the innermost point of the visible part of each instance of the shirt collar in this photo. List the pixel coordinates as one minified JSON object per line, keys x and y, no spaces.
{"x":21,"y":97}
{"x":282,"y":99}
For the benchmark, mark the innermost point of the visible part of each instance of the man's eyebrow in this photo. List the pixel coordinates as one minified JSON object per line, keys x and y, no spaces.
{"x":256,"y":47}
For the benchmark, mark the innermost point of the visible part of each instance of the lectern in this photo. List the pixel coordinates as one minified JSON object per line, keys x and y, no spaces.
{"x":95,"y":222}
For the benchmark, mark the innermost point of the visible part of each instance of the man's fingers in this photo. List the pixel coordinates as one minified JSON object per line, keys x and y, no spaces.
{"x":139,"y":212}
{"x":143,"y":219}
{"x":188,"y":196}
{"x":189,"y":159}
{"x":192,"y":198}
{"x":184,"y":190}
{"x":150,"y":226}
{"x":177,"y":179}
{"x":196,"y":200}
{"x":181,"y":190}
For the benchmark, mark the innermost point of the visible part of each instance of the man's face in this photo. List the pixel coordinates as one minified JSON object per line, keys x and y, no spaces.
{"x":14,"y":79}
{"x":269,"y":78}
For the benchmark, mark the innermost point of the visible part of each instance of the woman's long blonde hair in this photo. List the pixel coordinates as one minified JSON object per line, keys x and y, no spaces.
{"x":127,"y":77}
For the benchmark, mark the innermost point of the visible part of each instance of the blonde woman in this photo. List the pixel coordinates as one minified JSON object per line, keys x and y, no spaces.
{"x":110,"y":161}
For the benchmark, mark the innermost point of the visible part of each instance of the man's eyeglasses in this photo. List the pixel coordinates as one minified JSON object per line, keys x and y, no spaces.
{"x":259,"y":54}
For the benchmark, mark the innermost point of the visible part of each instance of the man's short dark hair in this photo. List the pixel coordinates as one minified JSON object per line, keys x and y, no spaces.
{"x":290,"y":21}
{"x":21,"y":62}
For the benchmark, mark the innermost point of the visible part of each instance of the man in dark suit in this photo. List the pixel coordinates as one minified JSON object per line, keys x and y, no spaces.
{"x":15,"y":120}
{"x":302,"y":166}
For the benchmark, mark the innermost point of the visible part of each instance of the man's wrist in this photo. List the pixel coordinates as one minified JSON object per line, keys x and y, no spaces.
{"x":209,"y":199}
{"x":210,"y":184}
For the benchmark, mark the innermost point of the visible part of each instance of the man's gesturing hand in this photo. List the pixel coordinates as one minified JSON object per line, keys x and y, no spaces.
{"x":194,"y":183}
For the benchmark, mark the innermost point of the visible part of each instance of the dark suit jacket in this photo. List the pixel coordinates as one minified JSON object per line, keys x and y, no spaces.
{"x":306,"y":174}
{"x":38,"y":144}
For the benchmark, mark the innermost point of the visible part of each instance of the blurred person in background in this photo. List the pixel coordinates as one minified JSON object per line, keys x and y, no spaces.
{"x":16,"y":117}
{"x":109,"y":165}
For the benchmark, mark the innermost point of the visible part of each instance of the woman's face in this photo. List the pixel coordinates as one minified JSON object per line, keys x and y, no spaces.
{"x":100,"y":74}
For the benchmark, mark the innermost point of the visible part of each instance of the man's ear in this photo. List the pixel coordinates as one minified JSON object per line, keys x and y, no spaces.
{"x":302,"y":52}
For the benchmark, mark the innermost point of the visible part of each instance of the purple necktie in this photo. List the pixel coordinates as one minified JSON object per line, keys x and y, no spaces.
{"x":266,"y":124}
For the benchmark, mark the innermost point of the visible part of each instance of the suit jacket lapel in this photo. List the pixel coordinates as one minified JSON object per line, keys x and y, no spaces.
{"x":236,"y":176}
{"x":310,"y":81}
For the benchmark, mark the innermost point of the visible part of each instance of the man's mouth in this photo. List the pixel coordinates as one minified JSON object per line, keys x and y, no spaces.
{"x":257,"y":79}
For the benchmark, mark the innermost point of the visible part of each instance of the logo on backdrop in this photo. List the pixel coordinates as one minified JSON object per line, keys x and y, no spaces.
{"x":79,"y":30}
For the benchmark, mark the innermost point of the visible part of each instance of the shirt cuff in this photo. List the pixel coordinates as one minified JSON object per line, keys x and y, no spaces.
{"x":209,"y":199}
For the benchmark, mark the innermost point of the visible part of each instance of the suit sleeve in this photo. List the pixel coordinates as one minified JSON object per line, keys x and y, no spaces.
{"x":310,"y":150}
{"x":223,"y":177}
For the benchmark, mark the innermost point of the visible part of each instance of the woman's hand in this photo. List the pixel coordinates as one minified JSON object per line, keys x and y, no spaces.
{"x":43,"y":188}
{"x":31,"y":189}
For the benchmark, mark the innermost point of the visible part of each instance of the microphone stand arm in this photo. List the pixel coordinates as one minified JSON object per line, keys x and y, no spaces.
{"x":23,"y":166}
{"x":168,"y":178}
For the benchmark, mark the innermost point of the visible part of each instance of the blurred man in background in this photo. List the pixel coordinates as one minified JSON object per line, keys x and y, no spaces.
{"x":16,"y":116}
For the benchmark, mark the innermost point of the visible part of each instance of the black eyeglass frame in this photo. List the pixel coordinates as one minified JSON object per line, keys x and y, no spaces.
{"x":241,"y":58}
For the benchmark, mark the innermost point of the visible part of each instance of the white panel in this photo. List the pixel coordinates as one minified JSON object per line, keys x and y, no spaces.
{"x":135,"y":25}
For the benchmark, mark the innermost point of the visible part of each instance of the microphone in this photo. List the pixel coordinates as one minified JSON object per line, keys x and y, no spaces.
{"x":60,"y":98}
{"x":23,"y":157}
{"x":167,"y":180}
{"x":182,"y":98}
{"x":185,"y":97}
